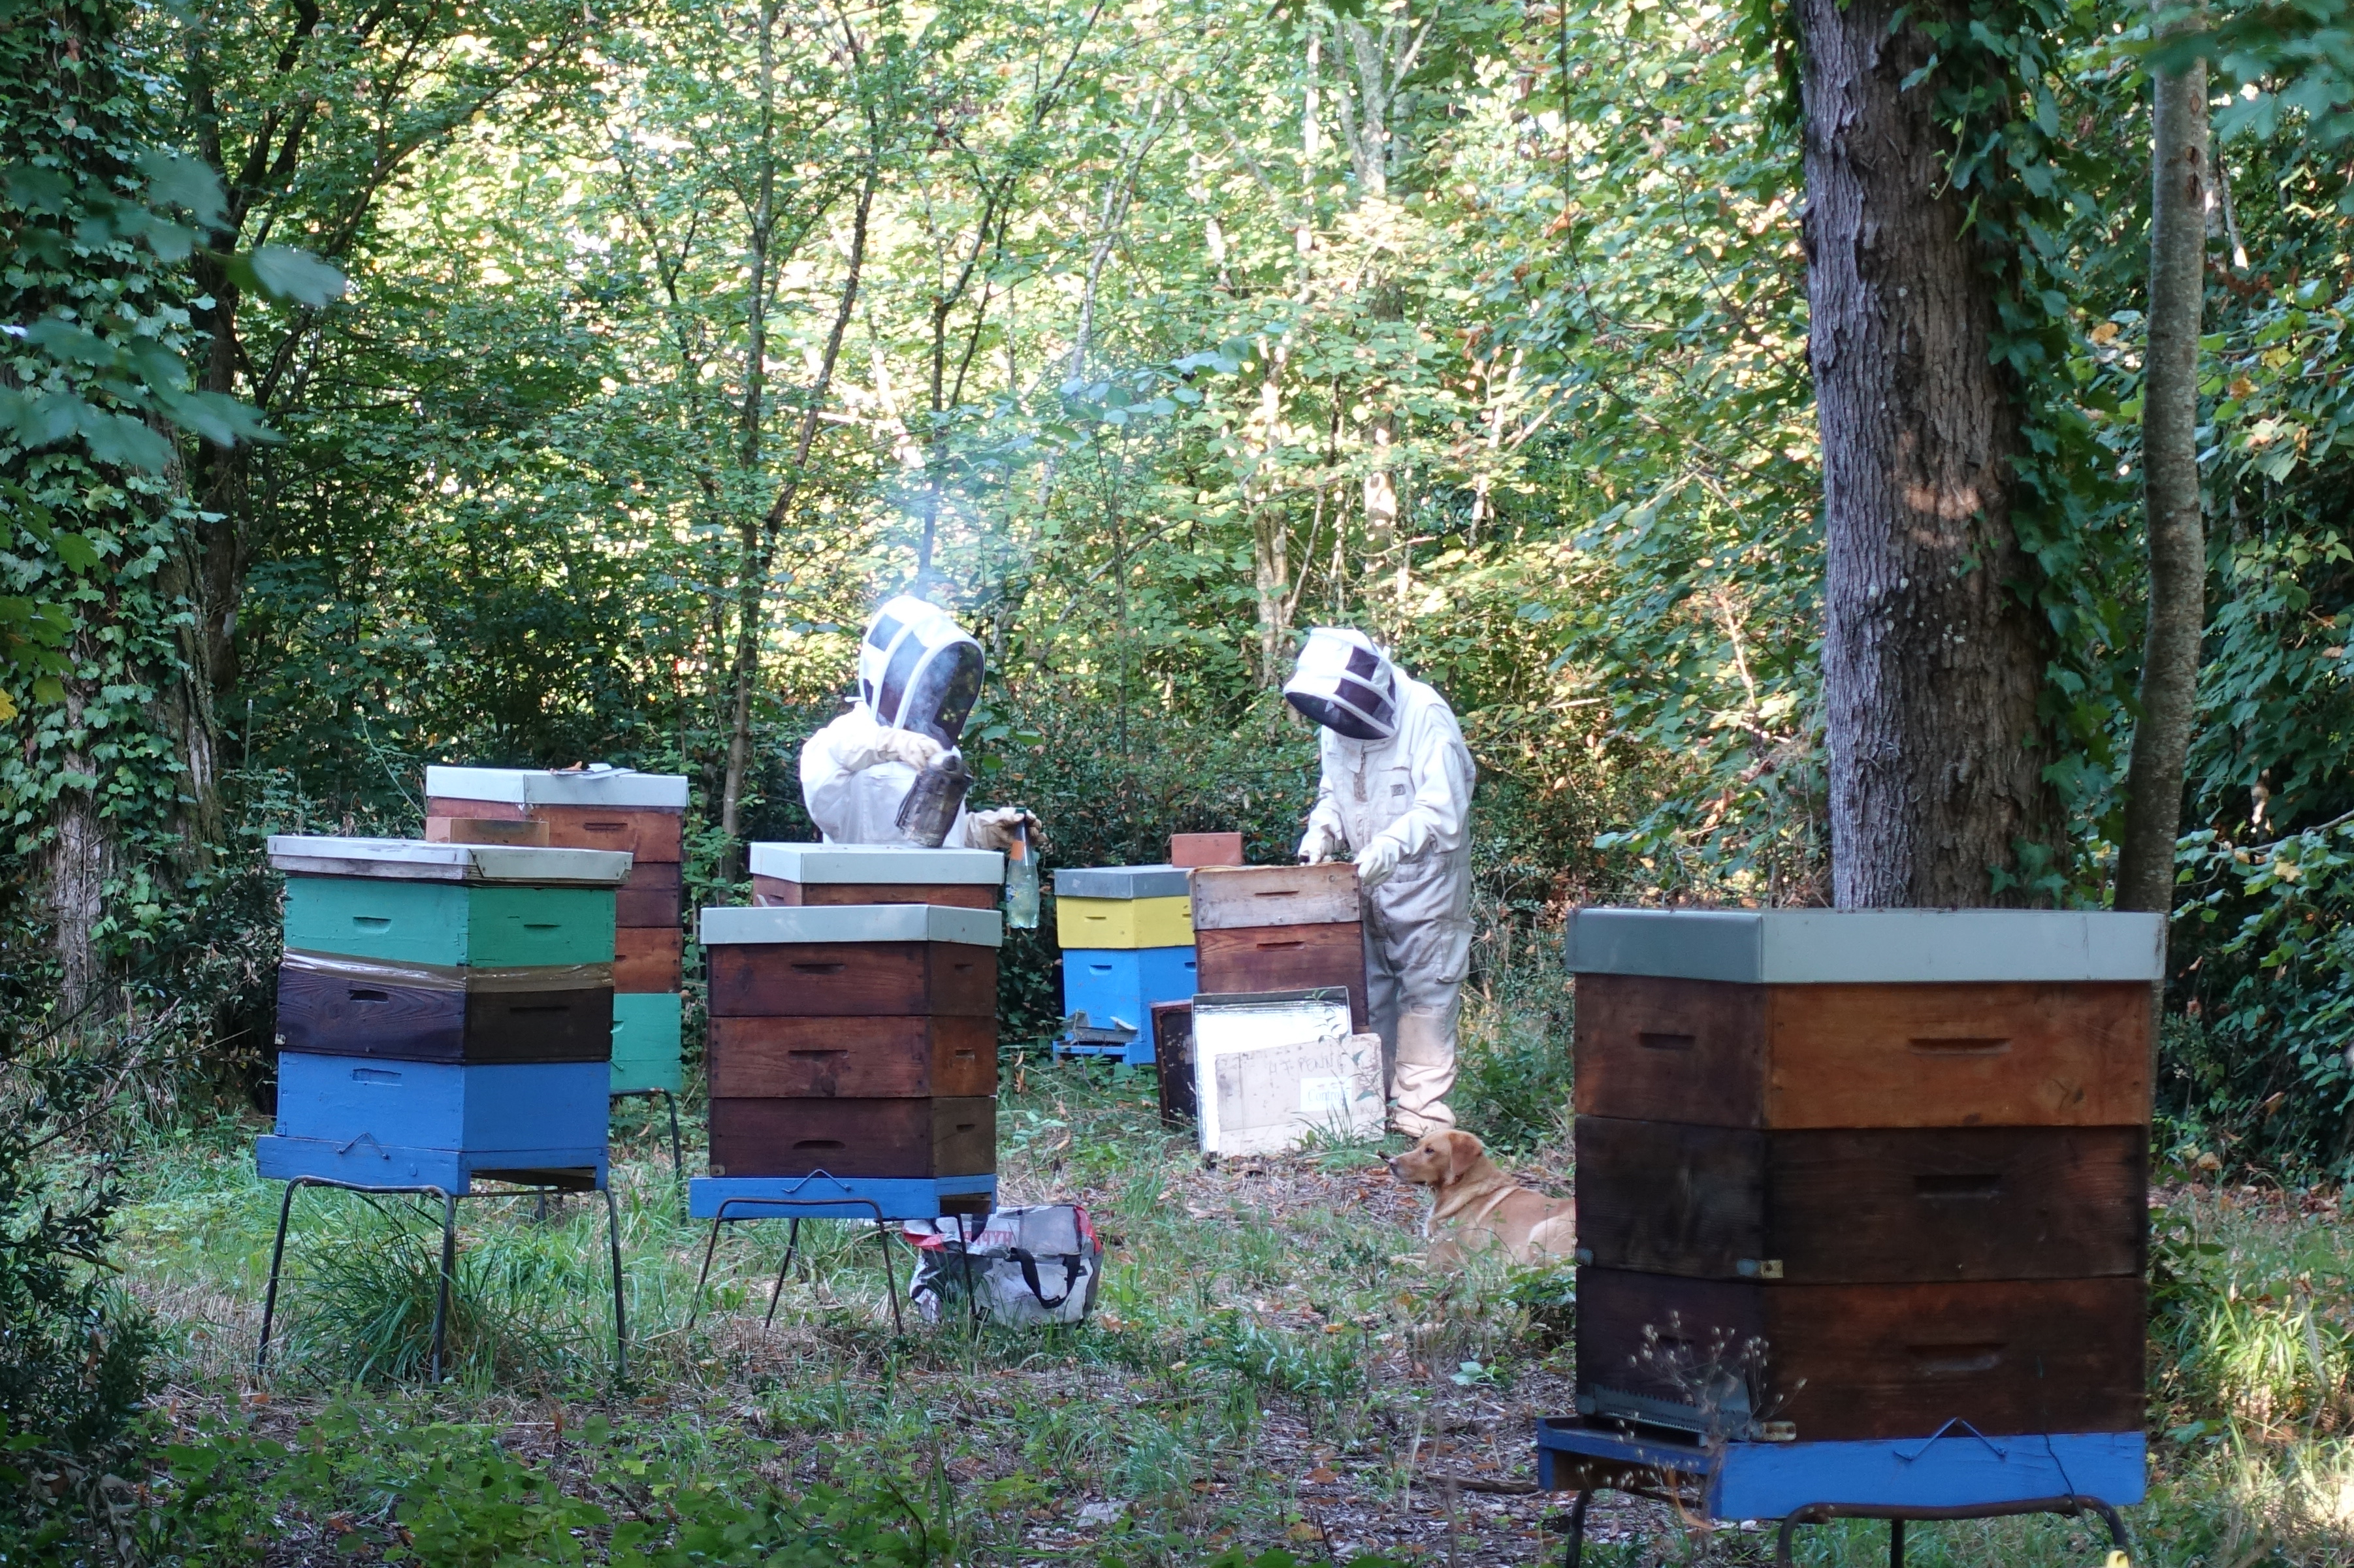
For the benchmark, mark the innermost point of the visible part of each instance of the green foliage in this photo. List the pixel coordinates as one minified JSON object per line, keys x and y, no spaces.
{"x":73,"y":1350}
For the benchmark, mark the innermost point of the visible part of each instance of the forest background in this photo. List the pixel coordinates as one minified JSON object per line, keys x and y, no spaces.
{"x":526,"y":382}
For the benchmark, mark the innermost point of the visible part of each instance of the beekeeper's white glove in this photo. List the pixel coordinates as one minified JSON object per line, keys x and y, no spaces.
{"x":1376,"y":860}
{"x":911,"y":746}
{"x":993,"y":829}
{"x":1321,"y":845}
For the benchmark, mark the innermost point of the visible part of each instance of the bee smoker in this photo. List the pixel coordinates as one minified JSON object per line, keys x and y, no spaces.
{"x":933,"y":800}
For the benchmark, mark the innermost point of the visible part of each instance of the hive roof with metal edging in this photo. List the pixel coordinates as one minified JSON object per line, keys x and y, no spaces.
{"x":1121,"y":882}
{"x":877,"y":864}
{"x":413,"y":860}
{"x":1830,"y":946}
{"x":598,"y":786}
{"x":852,"y":923}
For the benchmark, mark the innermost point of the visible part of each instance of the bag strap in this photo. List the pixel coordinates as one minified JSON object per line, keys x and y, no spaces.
{"x":1029,"y":1262}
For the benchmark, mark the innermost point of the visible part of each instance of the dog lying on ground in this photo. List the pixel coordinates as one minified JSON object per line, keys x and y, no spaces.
{"x":1479,"y":1208}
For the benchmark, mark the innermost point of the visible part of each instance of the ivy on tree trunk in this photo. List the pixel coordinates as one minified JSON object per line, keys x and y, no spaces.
{"x":1932,"y":657}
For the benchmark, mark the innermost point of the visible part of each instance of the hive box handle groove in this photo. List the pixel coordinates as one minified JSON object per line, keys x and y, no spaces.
{"x":1653,"y":1040}
{"x":1931,"y":1188}
{"x":820,"y":1143}
{"x":1278,"y":946}
{"x":1959,"y":1045}
{"x":542,"y":1007}
{"x":373,"y":1075}
{"x":360,"y":995}
{"x":372,"y":922}
{"x":817,"y":1053}
{"x":821,"y":969}
{"x":1955,"y":1361}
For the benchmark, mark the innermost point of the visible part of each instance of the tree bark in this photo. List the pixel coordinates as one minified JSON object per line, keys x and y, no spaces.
{"x":2177,"y":541}
{"x":1931,"y":662}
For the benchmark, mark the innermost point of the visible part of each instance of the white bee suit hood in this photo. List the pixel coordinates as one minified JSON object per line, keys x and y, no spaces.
{"x":1412,"y":784}
{"x":918,"y":672}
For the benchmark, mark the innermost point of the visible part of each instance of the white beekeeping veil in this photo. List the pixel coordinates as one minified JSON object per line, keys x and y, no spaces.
{"x":1345,"y":684}
{"x":918,"y":670}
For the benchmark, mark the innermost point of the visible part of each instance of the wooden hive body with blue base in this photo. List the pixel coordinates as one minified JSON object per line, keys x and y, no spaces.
{"x":1861,"y":1206}
{"x":613,"y":809}
{"x":445,"y":1011}
{"x":1127,"y":939}
{"x":853,"y":1052}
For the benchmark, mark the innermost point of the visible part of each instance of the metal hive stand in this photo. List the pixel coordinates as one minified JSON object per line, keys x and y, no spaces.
{"x":514,"y":1184}
{"x":1947,"y":1475}
{"x":677,"y":1159}
{"x":820,"y":1195}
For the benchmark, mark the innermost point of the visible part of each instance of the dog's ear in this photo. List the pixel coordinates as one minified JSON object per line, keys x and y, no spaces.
{"x":1463,"y":1152}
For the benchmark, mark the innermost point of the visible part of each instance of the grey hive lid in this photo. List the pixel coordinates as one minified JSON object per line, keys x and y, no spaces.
{"x":876,"y":864}
{"x":413,"y":860}
{"x":597,"y":786}
{"x":1824,"y":946}
{"x":1122,"y":882}
{"x":851,"y":922}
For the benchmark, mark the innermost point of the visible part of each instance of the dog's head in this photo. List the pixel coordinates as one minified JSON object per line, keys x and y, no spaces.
{"x":1441,"y":1160}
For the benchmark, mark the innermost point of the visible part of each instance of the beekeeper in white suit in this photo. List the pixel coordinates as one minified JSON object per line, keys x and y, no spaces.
{"x":919,"y":674}
{"x":1396,"y":796}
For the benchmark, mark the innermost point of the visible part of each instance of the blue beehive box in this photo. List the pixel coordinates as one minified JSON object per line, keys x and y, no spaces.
{"x":1116,"y":987}
{"x":385,"y":1120}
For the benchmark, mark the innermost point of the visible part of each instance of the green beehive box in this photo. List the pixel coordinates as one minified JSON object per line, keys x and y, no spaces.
{"x":462,"y":906}
{"x":646,"y":1029}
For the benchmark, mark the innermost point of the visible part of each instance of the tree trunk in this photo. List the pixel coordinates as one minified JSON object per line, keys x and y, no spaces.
{"x":753,"y":589}
{"x":2178,"y":544}
{"x":1931,"y":661}
{"x":80,"y":859}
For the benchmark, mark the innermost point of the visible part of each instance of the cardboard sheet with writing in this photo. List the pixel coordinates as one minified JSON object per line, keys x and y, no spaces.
{"x":1270,"y":1068}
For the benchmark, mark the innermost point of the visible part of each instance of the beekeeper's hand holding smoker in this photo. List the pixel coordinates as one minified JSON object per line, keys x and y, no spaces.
{"x":1396,"y":796}
{"x":919,"y":674}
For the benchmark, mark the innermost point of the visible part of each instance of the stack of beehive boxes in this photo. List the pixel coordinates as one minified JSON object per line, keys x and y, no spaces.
{"x":856,"y":1041}
{"x":605,"y":809}
{"x":443,"y":1010}
{"x":1852,"y":1178}
{"x":1279,"y":928}
{"x":1127,"y":935}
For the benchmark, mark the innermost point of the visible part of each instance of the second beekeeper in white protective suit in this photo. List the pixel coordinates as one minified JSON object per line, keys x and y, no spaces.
{"x":1396,"y":795}
{"x":919,"y":674}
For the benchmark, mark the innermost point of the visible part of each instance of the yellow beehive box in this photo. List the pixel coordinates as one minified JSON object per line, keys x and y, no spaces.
{"x":1124,"y":922}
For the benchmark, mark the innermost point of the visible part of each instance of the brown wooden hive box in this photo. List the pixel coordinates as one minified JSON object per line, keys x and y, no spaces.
{"x":1842,"y":1362}
{"x":793,"y":876}
{"x":1229,"y":896}
{"x":847,"y":980}
{"x":653,"y":895}
{"x":905,"y":1136}
{"x":2013,"y":1053}
{"x":855,"y":1058}
{"x":424,"y":1013}
{"x":1850,"y":1206}
{"x":647,"y":957}
{"x":775,"y":892}
{"x":648,"y":832}
{"x":1284,"y":958}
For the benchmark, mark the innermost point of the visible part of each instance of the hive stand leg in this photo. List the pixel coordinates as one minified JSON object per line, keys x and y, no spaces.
{"x":792,"y":1245}
{"x":1895,"y":1543}
{"x":2117,"y":1536}
{"x":620,"y":1324}
{"x":442,"y":1284}
{"x":964,"y":1263}
{"x":677,"y":1159}
{"x":695,"y":1308}
{"x":1797,"y":1516}
{"x":890,"y":1280}
{"x":1577,"y":1528}
{"x":269,"y":1296}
